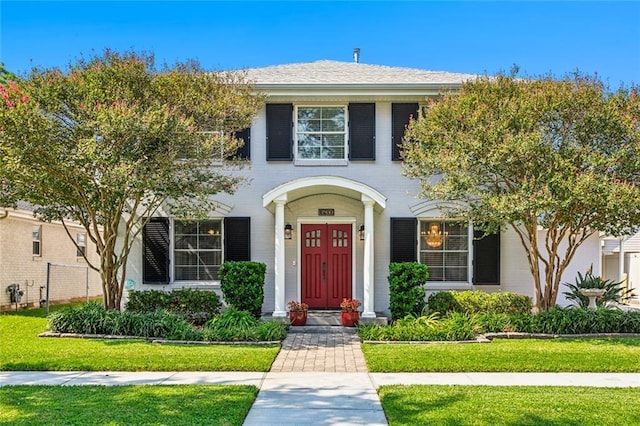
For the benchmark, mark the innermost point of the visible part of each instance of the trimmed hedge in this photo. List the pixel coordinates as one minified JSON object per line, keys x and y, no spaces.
{"x":195,"y":306}
{"x":474,"y":302}
{"x":242,"y":285}
{"x":406,"y":291}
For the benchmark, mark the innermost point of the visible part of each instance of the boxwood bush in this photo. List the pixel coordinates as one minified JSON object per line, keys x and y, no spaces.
{"x":473,"y":302}
{"x":195,"y":306}
{"x":406,"y":291}
{"x":242,"y":285}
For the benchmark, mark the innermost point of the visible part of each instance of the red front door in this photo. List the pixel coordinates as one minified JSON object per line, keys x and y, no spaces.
{"x":326,"y":264}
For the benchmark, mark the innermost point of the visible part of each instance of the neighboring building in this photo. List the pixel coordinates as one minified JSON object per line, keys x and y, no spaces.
{"x":327,"y":208}
{"x":625,"y":267}
{"x":27,"y":246}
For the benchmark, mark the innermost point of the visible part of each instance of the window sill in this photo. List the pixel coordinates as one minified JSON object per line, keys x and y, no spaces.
{"x":197,"y":284}
{"x":447,"y":285}
{"x":312,"y":163}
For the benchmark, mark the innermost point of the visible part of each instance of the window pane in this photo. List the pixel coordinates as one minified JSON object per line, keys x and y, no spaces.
{"x":309,"y":113}
{"x":185,"y":258}
{"x":186,"y":227}
{"x":198,"y":250}
{"x":36,"y":248}
{"x":444,"y":248}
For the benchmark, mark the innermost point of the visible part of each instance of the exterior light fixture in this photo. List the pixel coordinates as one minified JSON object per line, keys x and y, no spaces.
{"x":434,"y":237}
{"x":288,"y":231}
{"x":361,"y":232}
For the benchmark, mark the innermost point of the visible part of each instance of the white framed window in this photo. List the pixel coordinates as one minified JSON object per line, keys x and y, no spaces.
{"x":444,"y":248}
{"x":36,"y":241}
{"x":81,"y":242}
{"x":321,"y":132}
{"x":197,"y":250}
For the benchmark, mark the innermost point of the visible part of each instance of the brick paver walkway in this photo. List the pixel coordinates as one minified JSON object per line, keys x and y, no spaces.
{"x":335,"y":352}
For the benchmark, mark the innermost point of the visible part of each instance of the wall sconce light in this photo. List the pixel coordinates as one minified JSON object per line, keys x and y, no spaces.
{"x":434,"y":237}
{"x":361,"y":232}
{"x":288,"y":231}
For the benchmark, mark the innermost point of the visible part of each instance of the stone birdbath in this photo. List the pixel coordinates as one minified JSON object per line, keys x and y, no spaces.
{"x":592,"y":294}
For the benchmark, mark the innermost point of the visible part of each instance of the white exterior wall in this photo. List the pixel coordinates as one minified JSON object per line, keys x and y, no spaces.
{"x":382,"y":175}
{"x":19,"y":266}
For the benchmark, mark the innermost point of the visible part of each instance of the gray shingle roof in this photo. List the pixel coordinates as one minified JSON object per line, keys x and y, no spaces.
{"x":350,"y":74}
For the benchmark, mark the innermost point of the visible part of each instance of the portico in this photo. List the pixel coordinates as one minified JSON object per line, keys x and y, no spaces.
{"x":372,"y":201}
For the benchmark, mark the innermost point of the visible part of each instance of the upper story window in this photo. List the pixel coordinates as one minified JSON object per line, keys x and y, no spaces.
{"x":198,"y":250}
{"x":36,"y":238}
{"x":321,"y":133}
{"x":444,"y":248}
{"x":81,"y":243}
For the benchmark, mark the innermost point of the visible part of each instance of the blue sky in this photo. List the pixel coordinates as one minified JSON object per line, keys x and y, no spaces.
{"x":471,"y":37}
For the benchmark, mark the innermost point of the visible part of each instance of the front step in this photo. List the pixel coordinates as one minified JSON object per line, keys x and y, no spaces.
{"x":322,"y":329}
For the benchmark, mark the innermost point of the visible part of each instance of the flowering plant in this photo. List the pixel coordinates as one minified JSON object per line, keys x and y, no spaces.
{"x":297,"y":306}
{"x":349,"y":305}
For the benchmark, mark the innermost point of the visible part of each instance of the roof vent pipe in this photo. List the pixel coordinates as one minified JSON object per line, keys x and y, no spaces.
{"x":356,"y":55}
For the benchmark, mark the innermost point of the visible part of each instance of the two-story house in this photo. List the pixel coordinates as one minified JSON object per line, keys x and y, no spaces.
{"x":326,"y":207}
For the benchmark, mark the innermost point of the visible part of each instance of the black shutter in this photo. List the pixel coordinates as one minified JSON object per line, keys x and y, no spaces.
{"x":155,"y":251}
{"x":244,"y":152}
{"x":362,"y":132}
{"x":486,"y":258}
{"x":400,"y":114}
{"x":237,"y":238}
{"x":404,"y":242}
{"x":279,"y":132}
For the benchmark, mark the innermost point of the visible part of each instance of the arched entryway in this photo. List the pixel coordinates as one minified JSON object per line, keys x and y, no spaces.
{"x":276,"y":199}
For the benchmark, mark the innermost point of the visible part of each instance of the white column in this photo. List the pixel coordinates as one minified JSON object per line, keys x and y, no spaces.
{"x":279,"y":310}
{"x":367,"y":273}
{"x":621,"y":261}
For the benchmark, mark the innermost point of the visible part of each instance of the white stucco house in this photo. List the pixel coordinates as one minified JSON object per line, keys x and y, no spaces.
{"x":326,"y":207}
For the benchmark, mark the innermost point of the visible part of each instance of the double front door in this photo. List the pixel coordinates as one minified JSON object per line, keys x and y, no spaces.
{"x":326,"y":268}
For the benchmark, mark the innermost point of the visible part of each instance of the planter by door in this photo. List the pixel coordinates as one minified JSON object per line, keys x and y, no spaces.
{"x":326,"y":264}
{"x":298,"y":317}
{"x":349,"y":319}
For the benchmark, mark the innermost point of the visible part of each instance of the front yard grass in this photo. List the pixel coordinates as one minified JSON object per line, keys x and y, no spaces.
{"x":22,"y":349}
{"x":502,"y":355}
{"x":513,"y":405}
{"x":125,"y":405}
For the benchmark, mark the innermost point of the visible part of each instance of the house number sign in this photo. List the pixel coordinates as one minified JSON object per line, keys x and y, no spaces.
{"x":326,"y":212}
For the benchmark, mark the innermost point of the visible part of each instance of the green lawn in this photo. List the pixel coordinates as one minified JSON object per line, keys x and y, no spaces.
{"x":22,"y":349}
{"x":526,"y":355}
{"x":519,"y":405}
{"x":125,"y":405}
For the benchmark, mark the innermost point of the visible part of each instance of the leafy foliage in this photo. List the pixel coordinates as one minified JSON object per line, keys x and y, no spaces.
{"x":473,"y":302}
{"x":242,"y":285}
{"x":406,"y":288}
{"x":579,"y":321}
{"x":615,"y":290}
{"x":113,"y":139}
{"x":195,"y":306}
{"x":92,"y":318}
{"x":454,"y":327}
{"x":560,"y":155}
{"x":234,"y":325}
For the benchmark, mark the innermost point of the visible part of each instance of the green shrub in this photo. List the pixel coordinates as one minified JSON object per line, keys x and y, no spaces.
{"x":614,"y":290}
{"x":454,"y":327}
{"x":406,"y":288}
{"x":443,"y":302}
{"x":473,"y":302}
{"x":195,"y":306}
{"x":92,"y":318}
{"x":242,"y":284}
{"x":240,"y":326}
{"x":582,"y":321}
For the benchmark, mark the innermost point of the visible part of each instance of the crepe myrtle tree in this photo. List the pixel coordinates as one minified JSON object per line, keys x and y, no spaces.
{"x":557,"y":160}
{"x":114,"y":138}
{"x":7,"y":196}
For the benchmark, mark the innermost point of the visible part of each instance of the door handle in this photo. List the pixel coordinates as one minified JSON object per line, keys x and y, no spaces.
{"x":324,"y":271}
